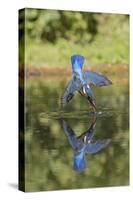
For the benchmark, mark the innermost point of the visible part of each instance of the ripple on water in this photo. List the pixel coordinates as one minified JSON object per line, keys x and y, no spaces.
{"x":81,"y":114}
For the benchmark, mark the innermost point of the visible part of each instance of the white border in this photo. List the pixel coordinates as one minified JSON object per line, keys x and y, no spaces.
{"x":8,"y":97}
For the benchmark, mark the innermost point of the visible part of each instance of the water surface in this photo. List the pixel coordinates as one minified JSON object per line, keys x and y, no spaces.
{"x":49,"y":152}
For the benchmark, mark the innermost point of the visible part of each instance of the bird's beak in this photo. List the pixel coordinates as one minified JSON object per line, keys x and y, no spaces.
{"x":94,"y":106}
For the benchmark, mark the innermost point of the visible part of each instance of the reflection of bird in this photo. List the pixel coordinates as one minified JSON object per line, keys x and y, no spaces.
{"x":82,"y":81}
{"x":83,"y":144}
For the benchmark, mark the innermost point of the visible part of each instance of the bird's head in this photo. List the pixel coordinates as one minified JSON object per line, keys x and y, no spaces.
{"x":77,"y":62}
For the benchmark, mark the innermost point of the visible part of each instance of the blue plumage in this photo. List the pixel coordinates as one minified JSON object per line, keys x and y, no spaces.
{"x":82,"y":81}
{"x":83,"y":144}
{"x":77,"y":62}
{"x":96,"y":79}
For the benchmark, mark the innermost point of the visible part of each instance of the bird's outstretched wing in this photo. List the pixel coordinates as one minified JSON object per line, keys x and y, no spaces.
{"x":96,"y":79}
{"x":68,"y":94}
{"x":69,"y":133}
{"x":97,"y":146}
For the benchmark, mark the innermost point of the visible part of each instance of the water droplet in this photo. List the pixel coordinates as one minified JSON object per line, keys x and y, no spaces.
{"x":100,"y":113}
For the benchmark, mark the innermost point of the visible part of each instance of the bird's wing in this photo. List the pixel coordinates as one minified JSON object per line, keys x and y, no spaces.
{"x":68,"y":94}
{"x":67,"y":129}
{"x":69,"y":133}
{"x":97,"y":146}
{"x":96,"y":79}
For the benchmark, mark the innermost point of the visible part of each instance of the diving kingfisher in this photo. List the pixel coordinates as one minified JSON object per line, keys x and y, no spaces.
{"x":82,"y":81}
{"x":83,"y":144}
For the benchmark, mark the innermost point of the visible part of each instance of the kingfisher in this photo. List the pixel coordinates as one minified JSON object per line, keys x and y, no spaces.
{"x":82,"y":81}
{"x":84,"y":144}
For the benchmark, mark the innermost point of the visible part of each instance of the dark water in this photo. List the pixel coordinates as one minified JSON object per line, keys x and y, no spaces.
{"x":54,"y":137}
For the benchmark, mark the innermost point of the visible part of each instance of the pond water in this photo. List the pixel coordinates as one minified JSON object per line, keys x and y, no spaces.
{"x":74,"y":148}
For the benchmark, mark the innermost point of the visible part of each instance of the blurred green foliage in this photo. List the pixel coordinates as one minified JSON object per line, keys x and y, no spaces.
{"x":51,"y":25}
{"x":52,"y":36}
